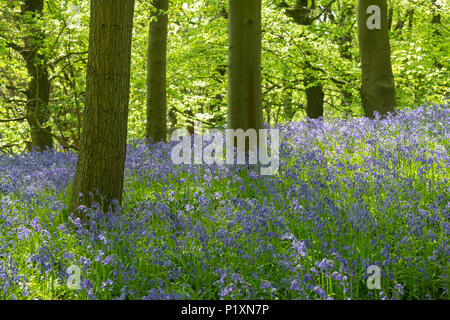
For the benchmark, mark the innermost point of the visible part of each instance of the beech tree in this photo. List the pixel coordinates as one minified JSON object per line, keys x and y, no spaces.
{"x":101,"y":160}
{"x":310,"y":59}
{"x":156,"y":73}
{"x":244,"y":84}
{"x":38,"y":86}
{"x":378,"y":89}
{"x":302,"y":14}
{"x":38,"y":91}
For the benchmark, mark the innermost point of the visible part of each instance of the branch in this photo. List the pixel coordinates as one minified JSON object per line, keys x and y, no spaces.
{"x":323,"y":10}
{"x":15,"y":47}
{"x":13,"y":120}
{"x":54,"y":63}
{"x":190,"y":117}
{"x":8,"y":146}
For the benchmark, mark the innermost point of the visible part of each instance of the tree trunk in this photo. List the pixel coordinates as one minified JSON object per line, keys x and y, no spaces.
{"x":288,"y":106}
{"x":435,"y":7}
{"x":435,"y":22}
{"x":390,"y":18}
{"x":345,"y":50}
{"x":38,"y":89}
{"x":173,"y":121}
{"x":378,"y":89}
{"x":101,"y":161}
{"x":244,"y":84}
{"x":301,"y":14}
{"x":315,"y":96}
{"x":190,"y":121}
{"x":156,"y":73}
{"x":38,"y":95}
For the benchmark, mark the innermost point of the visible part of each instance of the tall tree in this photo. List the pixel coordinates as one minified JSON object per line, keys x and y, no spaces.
{"x":38,"y":90}
{"x":156,"y":73}
{"x":30,"y":29}
{"x":244,"y":84}
{"x":101,"y":161}
{"x":378,"y":89}
{"x":302,"y":14}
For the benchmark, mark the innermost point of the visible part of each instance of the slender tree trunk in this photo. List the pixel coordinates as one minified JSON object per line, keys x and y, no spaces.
{"x":345,"y":50}
{"x":156,"y":73}
{"x":38,"y":90}
{"x":390,"y":18}
{"x":244,"y":85}
{"x":173,"y":121}
{"x":288,"y":107}
{"x":101,"y":161}
{"x":378,"y":89}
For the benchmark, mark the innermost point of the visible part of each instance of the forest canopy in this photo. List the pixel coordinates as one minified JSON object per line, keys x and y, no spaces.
{"x":307,"y":55}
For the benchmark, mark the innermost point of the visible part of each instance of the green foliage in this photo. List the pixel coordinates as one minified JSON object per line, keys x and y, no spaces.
{"x":197,"y":62}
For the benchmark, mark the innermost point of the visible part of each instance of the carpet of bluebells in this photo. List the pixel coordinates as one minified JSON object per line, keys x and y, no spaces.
{"x":350,"y":194}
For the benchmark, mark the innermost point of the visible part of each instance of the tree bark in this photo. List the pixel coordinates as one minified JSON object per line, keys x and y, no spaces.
{"x":156,"y":73}
{"x":244,"y":84}
{"x":378,"y":89}
{"x":38,"y":89}
{"x":345,"y":50}
{"x":101,"y":161}
{"x":315,"y":96}
{"x":435,"y":22}
{"x":390,"y":18}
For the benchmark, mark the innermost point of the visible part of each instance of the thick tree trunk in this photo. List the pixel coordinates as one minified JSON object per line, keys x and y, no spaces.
{"x":378,"y":89}
{"x":101,"y":161}
{"x":314,"y":93}
{"x":244,"y":84}
{"x":38,"y":90}
{"x":315,"y":97}
{"x":156,"y":73}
